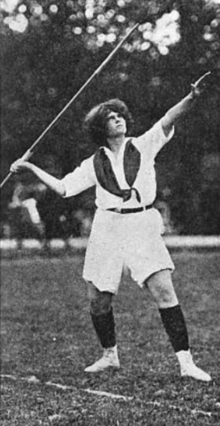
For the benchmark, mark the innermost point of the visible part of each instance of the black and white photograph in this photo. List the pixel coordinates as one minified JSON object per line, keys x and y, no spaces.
{"x":110,"y":212}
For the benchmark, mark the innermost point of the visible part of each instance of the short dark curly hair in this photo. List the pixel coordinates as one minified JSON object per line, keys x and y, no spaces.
{"x":95,"y":121}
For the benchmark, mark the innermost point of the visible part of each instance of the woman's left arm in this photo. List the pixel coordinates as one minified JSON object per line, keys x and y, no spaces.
{"x":182,"y":107}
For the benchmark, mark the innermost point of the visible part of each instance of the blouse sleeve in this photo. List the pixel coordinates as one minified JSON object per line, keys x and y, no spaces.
{"x":154,"y":139}
{"x":82,"y":178}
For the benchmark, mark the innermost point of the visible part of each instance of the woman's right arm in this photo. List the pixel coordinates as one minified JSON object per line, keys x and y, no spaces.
{"x":50,"y":181}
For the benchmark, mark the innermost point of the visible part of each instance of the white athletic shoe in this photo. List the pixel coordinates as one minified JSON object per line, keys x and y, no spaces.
{"x":189,"y":369}
{"x":109,"y":359}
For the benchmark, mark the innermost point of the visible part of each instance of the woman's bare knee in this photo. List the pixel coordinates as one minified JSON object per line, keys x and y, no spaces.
{"x":100,"y":301}
{"x":161,"y":287}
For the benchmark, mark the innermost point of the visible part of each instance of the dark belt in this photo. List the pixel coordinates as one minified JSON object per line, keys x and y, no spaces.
{"x":126,"y":211}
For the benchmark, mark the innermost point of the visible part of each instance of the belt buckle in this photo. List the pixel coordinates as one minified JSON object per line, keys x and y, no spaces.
{"x":118,"y":209}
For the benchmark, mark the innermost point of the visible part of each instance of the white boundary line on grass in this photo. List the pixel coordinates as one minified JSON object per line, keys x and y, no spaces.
{"x":109,"y":394}
{"x":174,"y":407}
{"x":34,"y":380}
{"x":8,"y":376}
{"x":58,"y":386}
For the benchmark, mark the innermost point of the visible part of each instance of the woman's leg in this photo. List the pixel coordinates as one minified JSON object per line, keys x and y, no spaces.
{"x":102,"y":315}
{"x":161,"y":287}
{"x":103,"y":320}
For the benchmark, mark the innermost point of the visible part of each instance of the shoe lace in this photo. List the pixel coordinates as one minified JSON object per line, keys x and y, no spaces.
{"x":108,"y":353}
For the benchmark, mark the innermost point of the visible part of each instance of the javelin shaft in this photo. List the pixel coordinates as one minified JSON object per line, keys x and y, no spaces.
{"x":6,"y":179}
{"x":29,"y":152}
{"x":96,"y":72}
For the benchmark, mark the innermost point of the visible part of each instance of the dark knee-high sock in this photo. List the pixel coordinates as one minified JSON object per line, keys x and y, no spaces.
{"x":104,"y":325}
{"x":175,"y":326}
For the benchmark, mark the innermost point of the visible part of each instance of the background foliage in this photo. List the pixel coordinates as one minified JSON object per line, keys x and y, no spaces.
{"x":50,"y":48}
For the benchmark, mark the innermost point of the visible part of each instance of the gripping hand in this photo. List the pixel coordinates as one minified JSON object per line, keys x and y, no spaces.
{"x":198,"y":87}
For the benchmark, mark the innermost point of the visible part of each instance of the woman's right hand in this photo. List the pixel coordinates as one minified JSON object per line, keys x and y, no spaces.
{"x":20,"y":166}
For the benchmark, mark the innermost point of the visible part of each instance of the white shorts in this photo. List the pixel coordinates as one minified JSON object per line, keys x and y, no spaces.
{"x":120,"y":241}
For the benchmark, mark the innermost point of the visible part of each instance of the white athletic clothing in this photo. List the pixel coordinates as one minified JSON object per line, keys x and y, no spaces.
{"x":121,"y":241}
{"x":84,"y":177}
{"x":132,"y":240}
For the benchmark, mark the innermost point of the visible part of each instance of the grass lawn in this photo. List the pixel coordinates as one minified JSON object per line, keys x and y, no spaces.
{"x":47,"y":340}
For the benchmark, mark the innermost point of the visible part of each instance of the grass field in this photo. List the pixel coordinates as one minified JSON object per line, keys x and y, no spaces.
{"x":47,"y":340}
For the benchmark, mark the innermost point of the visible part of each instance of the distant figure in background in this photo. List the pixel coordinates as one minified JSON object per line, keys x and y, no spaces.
{"x":126,"y":230}
{"x":25,"y":219}
{"x":85,"y":222}
{"x":162,"y":205}
{"x":53,"y":210}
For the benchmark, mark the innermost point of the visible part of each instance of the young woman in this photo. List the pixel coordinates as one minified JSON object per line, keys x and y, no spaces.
{"x":126,"y":230}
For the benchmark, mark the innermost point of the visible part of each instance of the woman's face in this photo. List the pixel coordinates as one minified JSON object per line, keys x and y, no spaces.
{"x":115,"y":125}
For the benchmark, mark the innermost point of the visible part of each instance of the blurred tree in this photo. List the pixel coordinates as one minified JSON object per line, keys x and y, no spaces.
{"x":50,"y":48}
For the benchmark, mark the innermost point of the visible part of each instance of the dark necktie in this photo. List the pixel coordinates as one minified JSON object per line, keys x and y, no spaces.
{"x":107,"y":178}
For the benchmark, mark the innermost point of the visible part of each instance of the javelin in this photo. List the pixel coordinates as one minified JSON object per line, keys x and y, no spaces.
{"x":30,"y":152}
